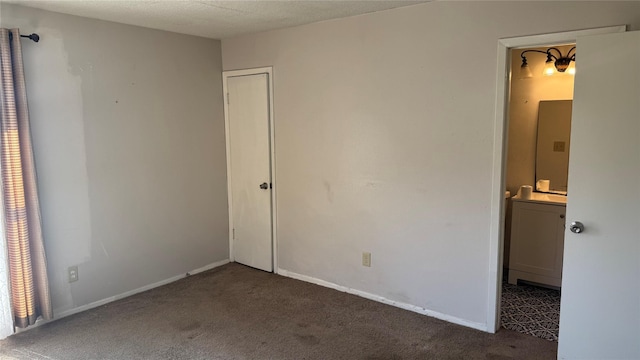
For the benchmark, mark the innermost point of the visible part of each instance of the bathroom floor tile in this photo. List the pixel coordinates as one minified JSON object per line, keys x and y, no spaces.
{"x":531,"y":310}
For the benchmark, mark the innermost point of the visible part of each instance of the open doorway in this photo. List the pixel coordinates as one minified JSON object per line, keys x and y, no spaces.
{"x":537,"y":158}
{"x":503,"y":79}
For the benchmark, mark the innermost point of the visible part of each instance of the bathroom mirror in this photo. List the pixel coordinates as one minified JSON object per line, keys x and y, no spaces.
{"x":552,"y":148}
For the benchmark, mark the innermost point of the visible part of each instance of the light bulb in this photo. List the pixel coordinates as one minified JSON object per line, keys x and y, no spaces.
{"x":525,"y":72}
{"x":549,"y":68}
{"x":572,"y":68}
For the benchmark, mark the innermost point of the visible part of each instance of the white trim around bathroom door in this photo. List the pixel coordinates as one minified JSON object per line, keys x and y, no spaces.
{"x":503,"y":76}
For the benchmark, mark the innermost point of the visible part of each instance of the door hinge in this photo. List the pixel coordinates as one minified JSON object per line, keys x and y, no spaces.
{"x":228,"y":99}
{"x":233,"y":236}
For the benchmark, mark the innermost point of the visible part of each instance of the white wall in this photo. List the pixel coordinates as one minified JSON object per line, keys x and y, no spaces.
{"x":384,"y":139}
{"x":128,"y":136}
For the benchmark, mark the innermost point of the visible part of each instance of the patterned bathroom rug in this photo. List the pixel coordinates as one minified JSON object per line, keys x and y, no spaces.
{"x":531,"y":310}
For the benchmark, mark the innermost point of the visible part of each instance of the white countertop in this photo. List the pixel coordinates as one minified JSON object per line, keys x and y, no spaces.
{"x":544,"y":198}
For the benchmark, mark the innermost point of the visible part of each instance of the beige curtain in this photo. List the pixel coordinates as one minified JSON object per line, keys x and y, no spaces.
{"x":27,"y":262}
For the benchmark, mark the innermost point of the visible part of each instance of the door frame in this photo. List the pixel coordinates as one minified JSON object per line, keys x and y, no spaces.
{"x":503,"y":81}
{"x":272,"y":156}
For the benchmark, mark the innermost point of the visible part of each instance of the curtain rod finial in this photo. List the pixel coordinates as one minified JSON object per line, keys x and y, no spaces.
{"x":35,"y":37}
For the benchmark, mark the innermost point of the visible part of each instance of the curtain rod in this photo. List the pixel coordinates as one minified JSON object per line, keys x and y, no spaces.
{"x":35,"y":37}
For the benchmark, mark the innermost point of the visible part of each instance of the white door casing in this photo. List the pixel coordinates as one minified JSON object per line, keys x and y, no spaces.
{"x":600,"y":305}
{"x":248,"y":114}
{"x":503,"y":77}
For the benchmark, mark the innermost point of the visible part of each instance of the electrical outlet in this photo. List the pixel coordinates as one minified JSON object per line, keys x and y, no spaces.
{"x":366,"y":259}
{"x":73,"y":273}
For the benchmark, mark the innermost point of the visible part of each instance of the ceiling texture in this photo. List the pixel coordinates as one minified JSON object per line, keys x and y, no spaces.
{"x":212,"y":18}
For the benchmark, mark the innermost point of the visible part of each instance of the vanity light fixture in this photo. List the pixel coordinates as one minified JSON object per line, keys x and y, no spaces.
{"x":556,"y":61}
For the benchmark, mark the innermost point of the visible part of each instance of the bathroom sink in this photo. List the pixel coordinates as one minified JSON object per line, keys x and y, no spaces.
{"x":544,"y":197}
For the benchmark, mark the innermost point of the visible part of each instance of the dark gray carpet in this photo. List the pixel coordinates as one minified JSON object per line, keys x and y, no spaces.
{"x":531,"y":310}
{"x":235,"y":312}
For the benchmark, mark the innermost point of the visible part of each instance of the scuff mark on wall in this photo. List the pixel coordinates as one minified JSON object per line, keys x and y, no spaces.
{"x":327,"y":187}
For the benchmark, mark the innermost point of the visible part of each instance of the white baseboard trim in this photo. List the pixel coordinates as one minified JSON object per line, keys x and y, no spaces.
{"x":95,"y":304}
{"x":139,"y":290}
{"x":207,"y":267}
{"x":381,"y":299}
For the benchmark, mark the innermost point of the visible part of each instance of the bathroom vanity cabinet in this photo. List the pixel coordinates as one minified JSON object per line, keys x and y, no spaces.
{"x":537,"y":239}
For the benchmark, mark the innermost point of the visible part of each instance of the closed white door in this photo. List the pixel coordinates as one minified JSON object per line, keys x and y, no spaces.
{"x":250,"y":169}
{"x":600,"y":309}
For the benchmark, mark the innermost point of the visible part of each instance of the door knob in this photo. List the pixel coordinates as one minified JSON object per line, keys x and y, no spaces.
{"x":264,"y":186}
{"x":576,"y":227}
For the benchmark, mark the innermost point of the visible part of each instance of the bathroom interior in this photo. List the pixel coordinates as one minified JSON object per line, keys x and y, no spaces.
{"x":536,"y":187}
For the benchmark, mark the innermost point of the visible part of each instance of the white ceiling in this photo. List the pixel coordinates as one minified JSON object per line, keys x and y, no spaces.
{"x":213,"y":18}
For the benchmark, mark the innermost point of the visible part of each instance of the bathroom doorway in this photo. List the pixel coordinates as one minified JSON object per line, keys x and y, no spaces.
{"x":598,"y":254}
{"x":538,"y":127}
{"x":506,"y":71}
